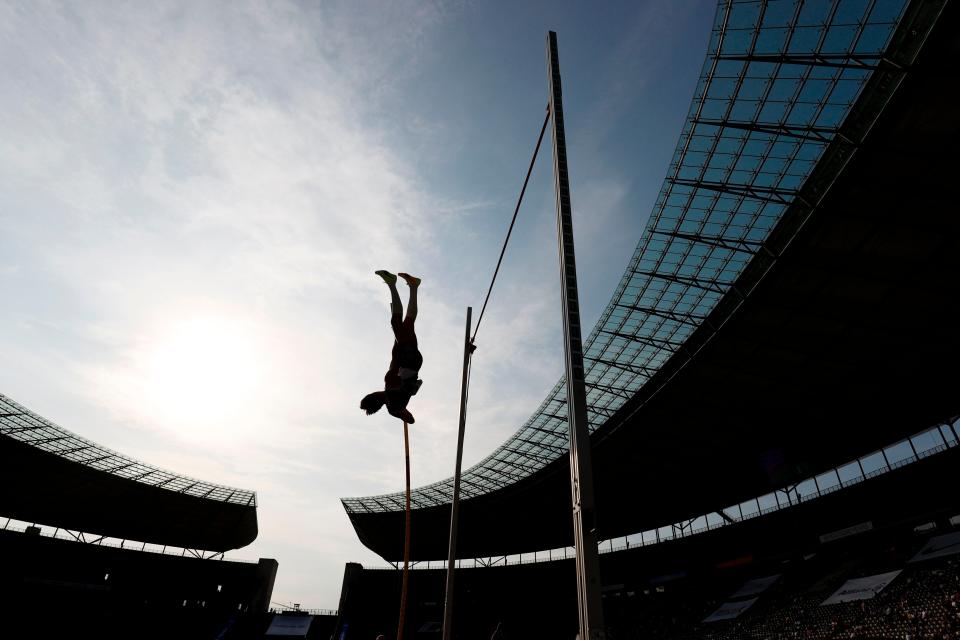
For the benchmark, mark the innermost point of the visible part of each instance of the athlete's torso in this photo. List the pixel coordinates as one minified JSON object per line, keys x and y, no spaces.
{"x":405,"y":364}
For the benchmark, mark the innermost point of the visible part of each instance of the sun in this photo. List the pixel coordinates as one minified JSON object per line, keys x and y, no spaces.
{"x":204,"y":373}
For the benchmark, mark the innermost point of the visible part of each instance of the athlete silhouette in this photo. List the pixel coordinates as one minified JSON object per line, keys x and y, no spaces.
{"x":401,"y":381}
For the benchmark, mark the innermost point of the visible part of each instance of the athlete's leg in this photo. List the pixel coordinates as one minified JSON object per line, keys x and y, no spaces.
{"x":396,"y":307}
{"x":412,"y":304}
{"x":413,"y":283}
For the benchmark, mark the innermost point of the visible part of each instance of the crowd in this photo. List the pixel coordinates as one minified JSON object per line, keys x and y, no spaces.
{"x":923,"y":602}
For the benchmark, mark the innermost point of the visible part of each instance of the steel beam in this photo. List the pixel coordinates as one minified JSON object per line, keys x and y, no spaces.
{"x":840,"y":60}
{"x":688,"y":319}
{"x":815,"y":134}
{"x":765,"y":194}
{"x":727,"y":518}
{"x":530,"y":454}
{"x":750,"y":247}
{"x":622,"y":393}
{"x":650,"y":342}
{"x":545,"y":445}
{"x":635,"y":369}
{"x":715,"y":286}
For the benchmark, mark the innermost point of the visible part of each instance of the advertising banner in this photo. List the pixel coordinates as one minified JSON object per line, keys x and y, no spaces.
{"x":863,"y":527}
{"x":296,"y":626}
{"x":945,"y":545}
{"x":755,"y":586}
{"x":730,"y":610}
{"x":862,"y":588}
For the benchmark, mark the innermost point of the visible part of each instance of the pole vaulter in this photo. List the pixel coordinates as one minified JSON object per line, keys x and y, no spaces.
{"x":400,"y":383}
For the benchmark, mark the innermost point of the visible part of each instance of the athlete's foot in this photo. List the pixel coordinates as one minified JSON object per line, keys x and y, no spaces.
{"x":388,"y":277}
{"x":412,"y":281}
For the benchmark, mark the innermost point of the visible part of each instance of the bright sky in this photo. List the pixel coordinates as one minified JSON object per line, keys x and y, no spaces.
{"x":194,"y":197}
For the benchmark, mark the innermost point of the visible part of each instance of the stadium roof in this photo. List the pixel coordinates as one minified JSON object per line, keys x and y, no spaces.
{"x":898,"y":498}
{"x":51,"y":476}
{"x":720,"y":347}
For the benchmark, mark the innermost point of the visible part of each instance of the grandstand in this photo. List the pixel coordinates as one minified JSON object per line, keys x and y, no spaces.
{"x":91,"y":515}
{"x":668,"y":589}
{"x":779,"y":339}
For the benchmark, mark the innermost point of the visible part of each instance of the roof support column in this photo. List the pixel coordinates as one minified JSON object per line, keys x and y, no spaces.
{"x":581,"y":468}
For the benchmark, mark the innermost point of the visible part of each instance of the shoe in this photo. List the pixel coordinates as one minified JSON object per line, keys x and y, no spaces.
{"x":412,"y":281}
{"x":388,"y":277}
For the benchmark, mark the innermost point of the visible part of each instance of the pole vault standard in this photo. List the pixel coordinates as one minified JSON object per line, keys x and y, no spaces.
{"x":468,"y":349}
{"x":581,"y":468}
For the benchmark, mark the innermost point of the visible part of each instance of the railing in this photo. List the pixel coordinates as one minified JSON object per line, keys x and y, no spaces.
{"x":299,"y":610}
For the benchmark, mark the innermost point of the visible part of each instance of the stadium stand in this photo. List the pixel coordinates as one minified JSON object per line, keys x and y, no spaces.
{"x":82,"y":569}
{"x":789,"y":309}
{"x":104,"y":591}
{"x":668,"y":590}
{"x":310,"y":624}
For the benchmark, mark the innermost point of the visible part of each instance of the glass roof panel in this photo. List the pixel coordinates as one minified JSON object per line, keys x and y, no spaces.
{"x":775,"y":86}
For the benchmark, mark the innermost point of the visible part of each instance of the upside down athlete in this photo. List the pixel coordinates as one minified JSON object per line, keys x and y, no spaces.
{"x":401,"y":380}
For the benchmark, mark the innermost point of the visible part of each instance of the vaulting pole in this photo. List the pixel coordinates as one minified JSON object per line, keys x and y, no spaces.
{"x":406,"y":537}
{"x":455,"y":509}
{"x":581,"y":468}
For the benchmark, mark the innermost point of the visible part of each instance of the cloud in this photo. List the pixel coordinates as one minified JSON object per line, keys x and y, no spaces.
{"x":181,"y":164}
{"x":206,"y":188}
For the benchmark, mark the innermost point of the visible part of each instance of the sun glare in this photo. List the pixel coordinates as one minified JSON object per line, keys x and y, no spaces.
{"x":204,"y":373}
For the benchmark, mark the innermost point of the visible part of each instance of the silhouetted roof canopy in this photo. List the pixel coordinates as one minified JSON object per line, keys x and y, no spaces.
{"x":51,"y":476}
{"x":790,"y":306}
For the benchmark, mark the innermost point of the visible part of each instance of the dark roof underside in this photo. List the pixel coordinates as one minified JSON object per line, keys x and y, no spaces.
{"x":38,"y":486}
{"x":840,"y":344}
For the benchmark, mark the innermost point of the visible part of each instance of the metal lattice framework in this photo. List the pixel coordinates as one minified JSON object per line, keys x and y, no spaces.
{"x":21,"y":424}
{"x":780,"y":78}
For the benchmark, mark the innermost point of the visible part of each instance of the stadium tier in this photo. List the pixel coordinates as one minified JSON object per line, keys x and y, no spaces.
{"x":790,"y":306}
{"x":51,"y":476}
{"x":790,"y":573}
{"x":99,"y":591}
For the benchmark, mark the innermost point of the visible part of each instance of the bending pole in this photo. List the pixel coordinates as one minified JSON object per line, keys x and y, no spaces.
{"x":589,"y":604}
{"x":455,"y":508}
{"x":406,"y":538}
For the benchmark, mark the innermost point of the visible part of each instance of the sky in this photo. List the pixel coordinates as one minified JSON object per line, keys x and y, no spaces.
{"x":194,"y":197}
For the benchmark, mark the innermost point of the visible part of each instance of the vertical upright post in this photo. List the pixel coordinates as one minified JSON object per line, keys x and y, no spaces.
{"x":455,"y":508}
{"x":581,"y":467}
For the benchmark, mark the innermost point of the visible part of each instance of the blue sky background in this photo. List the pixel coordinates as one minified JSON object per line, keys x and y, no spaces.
{"x":194,"y":196}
